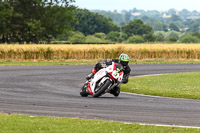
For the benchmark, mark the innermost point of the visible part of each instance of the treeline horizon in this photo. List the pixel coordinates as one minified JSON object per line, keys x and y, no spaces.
{"x":34,"y":20}
{"x":58,"y":21}
{"x":183,"y":21}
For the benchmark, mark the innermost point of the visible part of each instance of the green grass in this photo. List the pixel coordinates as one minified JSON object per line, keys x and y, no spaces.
{"x":181,"y":85}
{"x":25,"y":63}
{"x":87,"y":62}
{"x":43,"y":124}
{"x":165,"y":62}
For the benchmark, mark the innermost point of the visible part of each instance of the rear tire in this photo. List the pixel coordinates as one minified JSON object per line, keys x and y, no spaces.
{"x":103,"y":88}
{"x":83,"y":91}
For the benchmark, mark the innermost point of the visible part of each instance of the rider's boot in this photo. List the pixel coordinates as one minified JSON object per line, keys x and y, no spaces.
{"x":115,"y":91}
{"x":91,"y":74}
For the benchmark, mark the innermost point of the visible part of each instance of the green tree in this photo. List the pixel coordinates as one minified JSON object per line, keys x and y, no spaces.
{"x":159,"y":38}
{"x":64,"y":36}
{"x":149,"y":37}
{"x":137,"y":27}
{"x":159,"y":35}
{"x":174,"y":27}
{"x":174,"y":18}
{"x":160,"y":27}
{"x":115,"y":16}
{"x":6,"y":13}
{"x":56,"y":20}
{"x":171,"y":34}
{"x":127,"y":17}
{"x":34,"y":20}
{"x":26,"y":15}
{"x":172,"y":11}
{"x":189,"y":39}
{"x":184,"y":13}
{"x":77,"y":37}
{"x":196,"y":34}
{"x":173,"y":39}
{"x":100,"y":35}
{"x":136,"y":39}
{"x":195,"y":27}
{"x":116,"y":36}
{"x":90,"y":23}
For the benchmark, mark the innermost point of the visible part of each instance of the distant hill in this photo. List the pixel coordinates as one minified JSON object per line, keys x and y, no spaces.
{"x":160,"y":20}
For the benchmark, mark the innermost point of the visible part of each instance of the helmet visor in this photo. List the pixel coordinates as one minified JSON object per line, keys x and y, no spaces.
{"x":124,"y":63}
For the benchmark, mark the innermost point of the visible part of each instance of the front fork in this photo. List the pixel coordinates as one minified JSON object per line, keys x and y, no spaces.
{"x":88,"y":90}
{"x":112,"y":86}
{"x":107,"y":91}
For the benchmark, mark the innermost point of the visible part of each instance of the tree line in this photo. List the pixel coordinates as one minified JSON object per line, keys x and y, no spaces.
{"x":92,"y":27}
{"x":181,"y":21}
{"x":45,"y":21}
{"x":34,"y":20}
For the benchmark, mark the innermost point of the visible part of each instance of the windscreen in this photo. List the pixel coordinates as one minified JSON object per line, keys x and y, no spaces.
{"x":119,"y":67}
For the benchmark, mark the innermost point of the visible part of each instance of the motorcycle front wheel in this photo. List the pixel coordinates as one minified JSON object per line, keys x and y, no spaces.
{"x":102,"y":89}
{"x":83,"y":91}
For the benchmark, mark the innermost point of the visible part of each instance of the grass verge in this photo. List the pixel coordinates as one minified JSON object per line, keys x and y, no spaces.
{"x":180,"y":85}
{"x":43,"y":124}
{"x":87,"y":62}
{"x":28,"y":63}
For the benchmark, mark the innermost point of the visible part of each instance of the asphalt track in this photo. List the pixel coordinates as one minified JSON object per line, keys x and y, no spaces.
{"x":54,"y":91}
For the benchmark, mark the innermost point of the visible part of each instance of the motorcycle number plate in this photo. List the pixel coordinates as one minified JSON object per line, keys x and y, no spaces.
{"x":115,"y":74}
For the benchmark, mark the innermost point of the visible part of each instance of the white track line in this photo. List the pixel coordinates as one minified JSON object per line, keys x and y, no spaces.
{"x":150,"y":75}
{"x":151,"y":96}
{"x":162,"y":125}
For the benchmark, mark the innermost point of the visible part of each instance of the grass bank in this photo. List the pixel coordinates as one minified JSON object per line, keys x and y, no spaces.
{"x":43,"y":124}
{"x":46,"y":62}
{"x":180,"y":85}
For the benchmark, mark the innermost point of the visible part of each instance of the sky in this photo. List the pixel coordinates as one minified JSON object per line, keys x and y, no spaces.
{"x":161,"y":5}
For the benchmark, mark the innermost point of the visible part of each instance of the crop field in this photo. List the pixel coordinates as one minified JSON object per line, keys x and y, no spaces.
{"x":88,"y":52}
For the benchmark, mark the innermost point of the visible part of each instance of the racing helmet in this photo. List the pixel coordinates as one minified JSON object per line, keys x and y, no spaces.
{"x":124,"y":59}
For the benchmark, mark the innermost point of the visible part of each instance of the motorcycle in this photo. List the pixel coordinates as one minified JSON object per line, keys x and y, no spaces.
{"x":103,"y":81}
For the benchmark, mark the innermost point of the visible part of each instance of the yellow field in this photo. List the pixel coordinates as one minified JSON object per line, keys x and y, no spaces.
{"x":135,"y":51}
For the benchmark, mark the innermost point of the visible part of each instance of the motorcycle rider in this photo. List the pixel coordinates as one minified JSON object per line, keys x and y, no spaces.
{"x":123,"y":60}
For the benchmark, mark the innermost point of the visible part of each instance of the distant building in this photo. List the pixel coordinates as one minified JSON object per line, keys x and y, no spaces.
{"x":166,"y":16}
{"x":136,"y":14}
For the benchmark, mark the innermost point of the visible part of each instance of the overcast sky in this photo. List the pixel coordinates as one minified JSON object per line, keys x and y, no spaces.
{"x":161,"y":5}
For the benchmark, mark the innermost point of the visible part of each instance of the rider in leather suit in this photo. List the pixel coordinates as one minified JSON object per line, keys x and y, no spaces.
{"x":123,"y":60}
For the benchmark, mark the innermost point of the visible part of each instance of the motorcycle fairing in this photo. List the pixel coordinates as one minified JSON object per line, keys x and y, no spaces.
{"x":100,"y":74}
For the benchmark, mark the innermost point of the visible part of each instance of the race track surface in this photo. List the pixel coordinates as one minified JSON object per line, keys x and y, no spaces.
{"x":54,"y":91}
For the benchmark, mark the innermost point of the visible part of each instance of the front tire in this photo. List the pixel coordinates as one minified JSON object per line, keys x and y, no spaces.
{"x":103,"y":88}
{"x":83,"y":91}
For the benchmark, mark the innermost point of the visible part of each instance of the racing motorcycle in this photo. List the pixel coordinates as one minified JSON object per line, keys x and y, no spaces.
{"x":103,"y":81}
